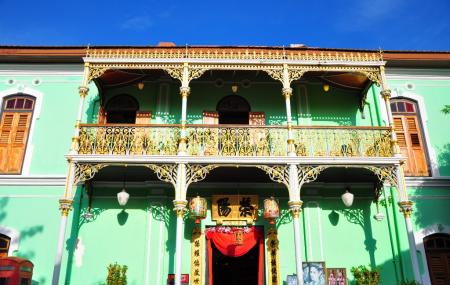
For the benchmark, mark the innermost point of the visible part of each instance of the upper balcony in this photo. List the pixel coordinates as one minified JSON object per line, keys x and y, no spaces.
{"x":231,"y":105}
{"x":234,"y":140}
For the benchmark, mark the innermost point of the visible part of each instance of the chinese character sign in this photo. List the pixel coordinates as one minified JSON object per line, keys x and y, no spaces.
{"x":228,"y":209}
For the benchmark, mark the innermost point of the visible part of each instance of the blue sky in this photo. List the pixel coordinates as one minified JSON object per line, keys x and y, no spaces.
{"x":372,"y":24}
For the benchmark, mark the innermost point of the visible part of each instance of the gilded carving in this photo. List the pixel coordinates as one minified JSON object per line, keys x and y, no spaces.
{"x":296,"y":208}
{"x":96,"y":72}
{"x":277,"y":173}
{"x":65,"y":205}
{"x":84,"y":172}
{"x":197,"y":243}
{"x":406,"y":207}
{"x":385,"y":174}
{"x":165,"y":172}
{"x":307,"y":174}
{"x":273,"y":257}
{"x":236,"y":54}
{"x":197,"y":172}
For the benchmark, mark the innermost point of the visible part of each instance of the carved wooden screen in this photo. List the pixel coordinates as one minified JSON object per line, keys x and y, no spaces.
{"x":257,"y":118}
{"x":210,"y":117}
{"x":410,"y":138}
{"x":14,"y":129}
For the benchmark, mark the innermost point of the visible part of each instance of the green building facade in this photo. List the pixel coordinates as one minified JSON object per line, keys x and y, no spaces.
{"x":243,"y":124}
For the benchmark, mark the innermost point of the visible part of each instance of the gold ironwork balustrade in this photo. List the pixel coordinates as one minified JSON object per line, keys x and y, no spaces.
{"x":342,"y":141}
{"x":128,"y":139}
{"x":234,"y":140}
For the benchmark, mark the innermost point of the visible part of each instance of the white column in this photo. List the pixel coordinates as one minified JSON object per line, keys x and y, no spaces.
{"x":406,"y":208}
{"x":386,"y":94}
{"x":180,"y":208}
{"x":65,"y":205}
{"x":295,"y":206}
{"x":287,"y":93}
{"x":184,"y":91}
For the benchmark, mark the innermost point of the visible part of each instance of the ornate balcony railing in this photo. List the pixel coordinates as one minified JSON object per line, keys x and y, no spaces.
{"x":234,"y":140}
{"x":343,"y":141}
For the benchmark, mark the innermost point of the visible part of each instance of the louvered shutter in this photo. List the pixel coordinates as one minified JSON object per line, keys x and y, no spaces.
{"x":13,"y":140}
{"x":411,"y":145}
{"x":210,"y":117}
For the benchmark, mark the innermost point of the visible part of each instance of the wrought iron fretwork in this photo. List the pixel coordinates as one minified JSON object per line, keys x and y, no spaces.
{"x":307,"y":174}
{"x":165,"y":172}
{"x":84,"y":172}
{"x":385,"y":174}
{"x":277,"y":173}
{"x":197,"y":172}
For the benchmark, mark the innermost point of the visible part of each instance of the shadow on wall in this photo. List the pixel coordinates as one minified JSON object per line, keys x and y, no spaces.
{"x":25,"y":234}
{"x":444,"y":160}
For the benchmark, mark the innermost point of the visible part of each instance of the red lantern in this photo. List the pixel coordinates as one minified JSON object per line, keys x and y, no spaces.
{"x":271,"y":210}
{"x":198,"y":207}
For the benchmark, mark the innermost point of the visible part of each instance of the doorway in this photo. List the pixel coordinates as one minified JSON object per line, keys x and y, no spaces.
{"x":437,"y":248}
{"x":241,"y":270}
{"x":233,"y":109}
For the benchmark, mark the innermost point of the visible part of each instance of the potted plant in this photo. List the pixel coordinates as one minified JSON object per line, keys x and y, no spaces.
{"x":366,"y":275}
{"x":117,"y":274}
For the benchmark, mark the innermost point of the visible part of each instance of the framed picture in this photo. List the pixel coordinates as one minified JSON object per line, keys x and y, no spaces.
{"x":314,"y":273}
{"x":336,"y":276}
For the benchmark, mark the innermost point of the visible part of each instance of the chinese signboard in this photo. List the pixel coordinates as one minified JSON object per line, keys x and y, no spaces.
{"x":234,"y":209}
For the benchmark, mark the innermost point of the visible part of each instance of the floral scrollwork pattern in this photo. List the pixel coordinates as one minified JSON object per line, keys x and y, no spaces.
{"x":195,"y":173}
{"x":96,"y":72}
{"x":84,"y":172}
{"x":165,"y":172}
{"x":277,"y":173}
{"x":307,"y":174}
{"x":385,"y":174}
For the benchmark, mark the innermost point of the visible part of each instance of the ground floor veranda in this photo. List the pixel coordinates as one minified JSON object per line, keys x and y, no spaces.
{"x":151,"y":237}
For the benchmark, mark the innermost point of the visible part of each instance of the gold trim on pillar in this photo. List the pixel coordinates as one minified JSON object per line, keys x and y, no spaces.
{"x":296,"y":208}
{"x":406,"y":208}
{"x":273,"y":257}
{"x":65,"y":205}
{"x":197,"y":256}
{"x":286,"y":92}
{"x":180,"y":208}
{"x":185,"y":91}
{"x":83,"y":91}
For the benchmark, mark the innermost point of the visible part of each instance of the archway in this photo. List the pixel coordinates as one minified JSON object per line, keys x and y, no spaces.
{"x":122,"y":109}
{"x":233,"y":109}
{"x":437,"y":248}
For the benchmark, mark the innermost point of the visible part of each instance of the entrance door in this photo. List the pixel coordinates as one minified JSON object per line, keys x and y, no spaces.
{"x":437,"y":248}
{"x":241,"y":270}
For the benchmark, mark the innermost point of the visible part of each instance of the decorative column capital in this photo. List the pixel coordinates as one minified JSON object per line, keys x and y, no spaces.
{"x":406,"y":208}
{"x":386,"y":93}
{"x":296,"y":208}
{"x":83,"y":91}
{"x":287,"y":92}
{"x":65,"y":205}
{"x":180,"y":207}
{"x":185,"y":91}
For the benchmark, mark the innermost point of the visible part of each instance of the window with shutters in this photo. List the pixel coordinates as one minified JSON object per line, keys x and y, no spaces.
{"x":409,"y":136}
{"x":16,"y":114}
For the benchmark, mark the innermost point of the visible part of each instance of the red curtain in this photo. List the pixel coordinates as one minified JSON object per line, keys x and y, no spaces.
{"x":225,"y":243}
